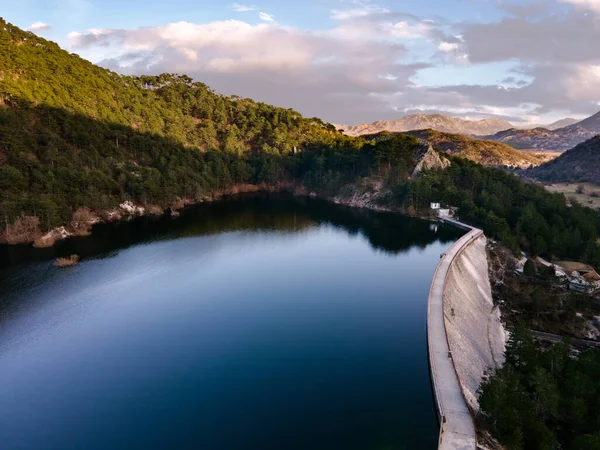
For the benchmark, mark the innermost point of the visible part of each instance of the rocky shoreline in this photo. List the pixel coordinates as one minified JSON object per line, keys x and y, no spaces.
{"x":127,"y":210}
{"x":368,"y":195}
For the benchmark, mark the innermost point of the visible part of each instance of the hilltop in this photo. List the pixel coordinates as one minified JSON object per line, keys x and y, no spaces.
{"x":437,"y":122}
{"x":581,"y":164}
{"x":37,"y":72}
{"x":480,"y":151}
{"x":561,"y":123}
{"x":591,"y":123}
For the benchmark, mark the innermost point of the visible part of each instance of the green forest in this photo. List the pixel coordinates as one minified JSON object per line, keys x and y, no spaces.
{"x":543,"y":398}
{"x":523,"y":216}
{"x":74,"y":135}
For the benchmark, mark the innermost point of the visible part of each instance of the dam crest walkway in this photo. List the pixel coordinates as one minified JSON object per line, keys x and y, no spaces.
{"x":457,"y":429}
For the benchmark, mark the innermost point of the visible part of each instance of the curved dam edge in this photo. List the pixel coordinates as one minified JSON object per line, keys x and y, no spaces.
{"x":465,"y":337}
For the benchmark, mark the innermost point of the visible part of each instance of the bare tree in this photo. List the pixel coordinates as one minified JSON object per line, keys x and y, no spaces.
{"x":25,"y":229}
{"x":82,"y":221}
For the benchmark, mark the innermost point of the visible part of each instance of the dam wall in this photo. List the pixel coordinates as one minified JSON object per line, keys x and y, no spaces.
{"x":464,"y":334}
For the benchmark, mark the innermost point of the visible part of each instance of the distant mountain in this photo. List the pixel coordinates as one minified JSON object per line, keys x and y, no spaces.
{"x":561,"y":123}
{"x":483,"y":152}
{"x":437,"y":122}
{"x":591,"y":123}
{"x":582,"y":164}
{"x":561,"y":139}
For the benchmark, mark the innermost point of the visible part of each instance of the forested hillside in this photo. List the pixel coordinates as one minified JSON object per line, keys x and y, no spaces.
{"x":543,"y":398}
{"x":523,"y":216}
{"x":581,"y":164}
{"x":35,"y":72}
{"x":75,"y":135}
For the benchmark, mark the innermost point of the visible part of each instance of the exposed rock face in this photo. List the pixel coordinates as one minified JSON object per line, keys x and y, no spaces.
{"x":131,"y":209}
{"x":366,"y":195}
{"x":51,"y":237}
{"x":430,"y":160}
{"x":582,"y":164}
{"x":437,"y":122}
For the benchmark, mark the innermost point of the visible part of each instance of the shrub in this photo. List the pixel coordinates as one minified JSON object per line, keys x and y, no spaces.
{"x":25,"y":229}
{"x":82,"y":221}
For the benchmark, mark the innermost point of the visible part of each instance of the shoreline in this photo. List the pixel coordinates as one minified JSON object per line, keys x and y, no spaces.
{"x":128,"y":210}
{"x":365,"y":201}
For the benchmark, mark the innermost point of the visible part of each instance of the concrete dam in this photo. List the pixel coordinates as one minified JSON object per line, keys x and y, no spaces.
{"x":466,"y":339}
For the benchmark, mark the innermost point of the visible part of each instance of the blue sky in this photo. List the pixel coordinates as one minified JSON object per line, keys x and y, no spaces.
{"x":349,"y":61}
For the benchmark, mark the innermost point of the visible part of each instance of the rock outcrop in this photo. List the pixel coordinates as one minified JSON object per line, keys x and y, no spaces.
{"x":430,"y":160}
{"x":51,"y":237}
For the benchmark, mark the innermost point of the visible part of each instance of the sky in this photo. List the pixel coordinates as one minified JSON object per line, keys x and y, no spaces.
{"x":349,"y":61}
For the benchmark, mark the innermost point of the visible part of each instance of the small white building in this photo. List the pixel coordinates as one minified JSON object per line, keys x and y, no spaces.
{"x":436,"y":206}
{"x":584,"y":281}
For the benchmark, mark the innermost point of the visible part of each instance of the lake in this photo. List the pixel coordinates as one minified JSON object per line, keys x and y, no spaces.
{"x":259,"y":322}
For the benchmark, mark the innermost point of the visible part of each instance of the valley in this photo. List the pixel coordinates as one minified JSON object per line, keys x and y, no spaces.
{"x":262,"y":276}
{"x":586,"y":194}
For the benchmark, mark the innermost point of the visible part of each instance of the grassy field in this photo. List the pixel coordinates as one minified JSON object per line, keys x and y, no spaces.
{"x":570,"y":266}
{"x":585,"y":197}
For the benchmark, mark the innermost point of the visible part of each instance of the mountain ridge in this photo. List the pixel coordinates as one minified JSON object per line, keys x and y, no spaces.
{"x":541,"y":138}
{"x":558,"y":136}
{"x":439,"y":122}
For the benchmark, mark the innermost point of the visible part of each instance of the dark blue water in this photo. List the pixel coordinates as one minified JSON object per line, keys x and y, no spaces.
{"x":256,"y":323}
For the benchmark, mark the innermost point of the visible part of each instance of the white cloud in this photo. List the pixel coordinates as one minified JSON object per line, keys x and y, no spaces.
{"x":406,"y":30}
{"x":317,"y":72}
{"x":39,"y":26}
{"x":237,"y":7}
{"x":266,"y":17}
{"x":593,"y":5}
{"x":447,"y":47}
{"x":360,"y":10}
{"x":583,"y":83}
{"x":362,"y":68}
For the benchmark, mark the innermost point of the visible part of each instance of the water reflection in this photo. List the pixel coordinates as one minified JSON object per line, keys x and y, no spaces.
{"x":387,"y":232}
{"x":260,"y":323}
